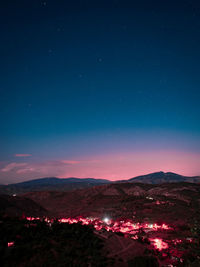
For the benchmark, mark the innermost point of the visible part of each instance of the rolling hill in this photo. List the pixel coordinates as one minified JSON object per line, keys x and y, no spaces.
{"x":51,"y":184}
{"x":17,"y":206}
{"x":143,"y":201}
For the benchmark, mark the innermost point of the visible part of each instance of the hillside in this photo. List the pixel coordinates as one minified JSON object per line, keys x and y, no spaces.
{"x":51,"y":184}
{"x":141,"y":201}
{"x":18,"y":206}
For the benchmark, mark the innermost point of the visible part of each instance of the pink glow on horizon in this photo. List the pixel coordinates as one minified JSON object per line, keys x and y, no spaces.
{"x":124,"y":166}
{"x":116,"y":166}
{"x":70,"y":161}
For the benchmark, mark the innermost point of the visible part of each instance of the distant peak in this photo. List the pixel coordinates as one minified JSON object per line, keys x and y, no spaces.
{"x":172,"y":173}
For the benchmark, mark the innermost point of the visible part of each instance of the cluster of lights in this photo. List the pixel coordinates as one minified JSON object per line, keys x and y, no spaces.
{"x":32,"y":218}
{"x":121,"y":226}
{"x":159,"y":243}
{"x":125,"y":227}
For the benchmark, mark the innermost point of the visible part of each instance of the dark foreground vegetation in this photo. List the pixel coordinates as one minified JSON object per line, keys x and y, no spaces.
{"x":38,"y":244}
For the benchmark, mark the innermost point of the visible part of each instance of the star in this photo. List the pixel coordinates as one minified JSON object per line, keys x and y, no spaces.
{"x":44,"y":3}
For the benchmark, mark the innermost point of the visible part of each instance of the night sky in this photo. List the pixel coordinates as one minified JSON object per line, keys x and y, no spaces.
{"x":104,"y":89}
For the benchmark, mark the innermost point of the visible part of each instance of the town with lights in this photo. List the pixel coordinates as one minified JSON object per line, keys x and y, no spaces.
{"x":109,"y":225}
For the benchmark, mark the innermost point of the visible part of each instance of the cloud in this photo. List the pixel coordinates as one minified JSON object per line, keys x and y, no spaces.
{"x":38,"y":169}
{"x":13,"y":166}
{"x":25,"y":170}
{"x":23,"y":155}
{"x":44,"y":168}
{"x":70,"y":161}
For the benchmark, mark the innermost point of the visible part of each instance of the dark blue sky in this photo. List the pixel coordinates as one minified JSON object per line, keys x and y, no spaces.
{"x":82,"y":80}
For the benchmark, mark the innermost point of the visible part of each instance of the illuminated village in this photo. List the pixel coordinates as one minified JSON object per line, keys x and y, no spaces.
{"x":154,"y":236}
{"x":129,"y":222}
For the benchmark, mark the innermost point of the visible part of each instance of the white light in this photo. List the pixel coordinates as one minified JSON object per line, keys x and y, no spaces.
{"x":106,"y":220}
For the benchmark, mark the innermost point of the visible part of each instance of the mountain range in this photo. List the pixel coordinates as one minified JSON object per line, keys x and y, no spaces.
{"x":72,"y":183}
{"x":51,"y":184}
{"x":164,"y":177}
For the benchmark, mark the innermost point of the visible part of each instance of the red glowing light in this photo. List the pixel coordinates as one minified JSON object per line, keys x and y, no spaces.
{"x":159,"y":243}
{"x":32,"y":218}
{"x":127,"y":227}
{"x":11,"y":244}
